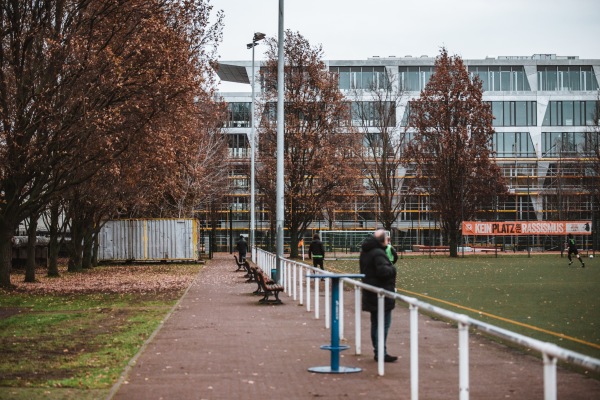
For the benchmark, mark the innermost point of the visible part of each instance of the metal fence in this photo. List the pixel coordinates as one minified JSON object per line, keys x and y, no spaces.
{"x":298,"y":286}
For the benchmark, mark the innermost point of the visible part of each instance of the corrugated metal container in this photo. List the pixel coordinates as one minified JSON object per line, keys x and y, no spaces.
{"x":149,"y":240}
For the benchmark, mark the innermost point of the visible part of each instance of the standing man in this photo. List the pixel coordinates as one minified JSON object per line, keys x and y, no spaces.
{"x":242,"y":248}
{"x":379,"y":272}
{"x":572,"y":249}
{"x":316,"y":251}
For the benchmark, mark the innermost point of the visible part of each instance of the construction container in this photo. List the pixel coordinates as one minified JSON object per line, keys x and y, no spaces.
{"x":149,"y":240}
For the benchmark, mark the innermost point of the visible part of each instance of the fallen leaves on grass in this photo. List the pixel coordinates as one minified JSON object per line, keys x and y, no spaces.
{"x":113,"y":279}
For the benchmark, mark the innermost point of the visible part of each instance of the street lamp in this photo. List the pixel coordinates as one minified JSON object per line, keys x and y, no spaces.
{"x":255,"y":39}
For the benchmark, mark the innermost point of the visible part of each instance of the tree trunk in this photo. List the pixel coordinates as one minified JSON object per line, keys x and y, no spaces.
{"x":53,"y":245}
{"x":95,"y":246}
{"x":453,"y":242}
{"x":294,"y":242}
{"x":75,"y":247}
{"x":31,"y":244}
{"x":86,"y":261}
{"x":6,"y":234}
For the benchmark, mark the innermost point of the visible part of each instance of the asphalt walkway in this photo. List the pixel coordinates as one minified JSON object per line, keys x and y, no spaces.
{"x":219,"y":343}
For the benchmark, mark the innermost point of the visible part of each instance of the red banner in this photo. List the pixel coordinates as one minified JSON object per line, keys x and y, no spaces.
{"x":516,"y":228}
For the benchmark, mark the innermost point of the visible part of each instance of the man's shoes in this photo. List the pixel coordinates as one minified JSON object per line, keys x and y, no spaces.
{"x":582,"y":265}
{"x":570,"y":262}
{"x":388,"y":358}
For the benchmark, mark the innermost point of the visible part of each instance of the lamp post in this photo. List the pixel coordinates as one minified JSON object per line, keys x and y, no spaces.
{"x":257,"y":37}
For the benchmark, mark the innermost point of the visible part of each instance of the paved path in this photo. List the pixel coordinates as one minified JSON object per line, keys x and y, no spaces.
{"x":219,"y":343}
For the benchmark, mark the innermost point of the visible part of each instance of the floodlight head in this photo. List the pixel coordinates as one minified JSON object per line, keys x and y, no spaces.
{"x":258,"y":36}
{"x":250,"y":45}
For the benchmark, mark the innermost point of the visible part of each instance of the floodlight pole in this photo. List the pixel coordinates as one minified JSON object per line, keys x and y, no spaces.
{"x":280,"y":144}
{"x":257,"y":36}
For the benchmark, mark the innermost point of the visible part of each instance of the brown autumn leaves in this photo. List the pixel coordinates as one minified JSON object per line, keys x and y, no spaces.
{"x":107,"y":109}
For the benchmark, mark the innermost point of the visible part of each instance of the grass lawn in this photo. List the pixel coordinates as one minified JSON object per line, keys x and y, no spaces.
{"x":71,"y":337}
{"x":541,"y":297}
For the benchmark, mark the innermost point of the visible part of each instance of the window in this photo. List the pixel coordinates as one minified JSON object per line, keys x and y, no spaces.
{"x":571,"y":113}
{"x":238,"y":115}
{"x":564,"y":144}
{"x":514,"y":113}
{"x":414,"y":79}
{"x":505,"y":78}
{"x":368,"y":113}
{"x":567,"y":78}
{"x":366,"y":78}
{"x":238,"y":145}
{"x":513,"y":144}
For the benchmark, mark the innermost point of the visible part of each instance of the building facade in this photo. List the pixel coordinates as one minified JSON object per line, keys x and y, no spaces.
{"x":546,"y":112}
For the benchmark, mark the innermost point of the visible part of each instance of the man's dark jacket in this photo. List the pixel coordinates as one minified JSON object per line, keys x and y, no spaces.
{"x":379,"y":271}
{"x":316,"y":248}
{"x":242,"y":246}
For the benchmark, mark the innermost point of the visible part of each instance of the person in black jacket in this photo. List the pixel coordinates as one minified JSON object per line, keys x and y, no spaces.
{"x":379,"y":272}
{"x":242,"y":248}
{"x":316,"y":251}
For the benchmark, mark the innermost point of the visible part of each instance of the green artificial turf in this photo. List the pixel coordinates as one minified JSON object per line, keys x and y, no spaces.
{"x":541,"y":296}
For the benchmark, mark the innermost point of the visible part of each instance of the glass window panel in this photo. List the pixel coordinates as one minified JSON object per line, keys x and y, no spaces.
{"x":510,"y":144}
{"x":367,"y":78}
{"x":579,"y":142}
{"x":589,"y":79}
{"x":413,"y":79}
{"x":494,"y":78}
{"x":563,"y":78}
{"x":577,"y":113}
{"x":505,"y":79}
{"x":574,"y":79}
{"x":590,"y":110}
{"x":483,"y":75}
{"x":521,"y":113}
{"x":532,"y":113}
{"x":554,"y":113}
{"x":497,"y":111}
{"x":551,"y":78}
{"x":509,"y":114}
{"x":355,"y":77}
{"x":567,"y":113}
{"x":344,"y":78}
{"x":428,"y":71}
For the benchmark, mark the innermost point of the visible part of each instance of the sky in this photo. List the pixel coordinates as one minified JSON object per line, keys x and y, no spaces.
{"x":472,"y":29}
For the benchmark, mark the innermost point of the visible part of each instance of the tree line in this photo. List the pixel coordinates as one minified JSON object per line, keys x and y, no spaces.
{"x":108,"y":110}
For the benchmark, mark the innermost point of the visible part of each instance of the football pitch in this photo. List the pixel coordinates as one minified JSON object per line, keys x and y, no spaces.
{"x":540,"y":297}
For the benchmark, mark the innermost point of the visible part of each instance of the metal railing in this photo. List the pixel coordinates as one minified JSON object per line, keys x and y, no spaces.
{"x":298,"y":286}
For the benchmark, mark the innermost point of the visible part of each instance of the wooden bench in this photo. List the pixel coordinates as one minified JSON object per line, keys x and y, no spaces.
{"x":240,"y":265}
{"x":268,"y":288}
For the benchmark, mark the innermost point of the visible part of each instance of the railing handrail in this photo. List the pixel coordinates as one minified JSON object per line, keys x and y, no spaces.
{"x":550,"y":351}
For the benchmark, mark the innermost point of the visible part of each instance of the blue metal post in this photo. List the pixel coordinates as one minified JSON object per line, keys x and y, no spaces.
{"x":334,"y":347}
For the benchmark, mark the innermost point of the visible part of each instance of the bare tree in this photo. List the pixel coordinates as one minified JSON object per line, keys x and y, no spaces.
{"x":374,"y":113}
{"x":451,"y":146}
{"x":320,"y":150}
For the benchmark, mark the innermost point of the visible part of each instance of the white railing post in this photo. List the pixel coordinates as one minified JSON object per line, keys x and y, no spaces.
{"x":294,"y":280}
{"x":301,"y":284}
{"x":316,"y":298}
{"x":327,"y":304}
{"x":380,"y":333}
{"x":357,"y":324}
{"x":414,"y":352}
{"x":549,"y":377}
{"x":307,"y":290}
{"x":341,"y":315}
{"x":463,"y":360}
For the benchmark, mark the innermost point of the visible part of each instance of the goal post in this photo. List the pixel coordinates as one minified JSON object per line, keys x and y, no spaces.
{"x":344,"y":241}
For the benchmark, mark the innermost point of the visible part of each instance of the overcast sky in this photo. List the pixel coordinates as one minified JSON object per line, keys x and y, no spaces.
{"x":359,"y":29}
